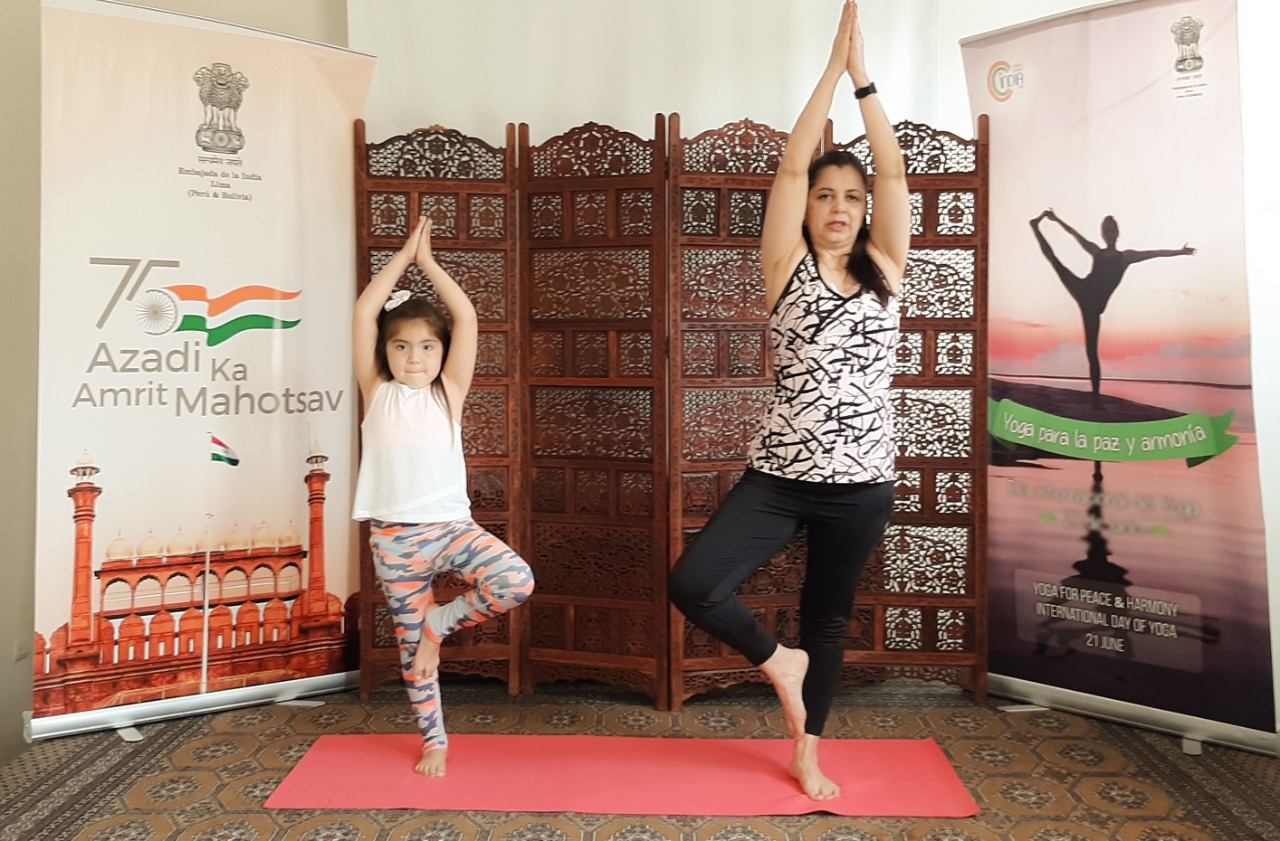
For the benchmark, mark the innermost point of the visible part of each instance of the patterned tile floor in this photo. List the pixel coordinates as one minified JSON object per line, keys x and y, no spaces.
{"x":1038,"y":776}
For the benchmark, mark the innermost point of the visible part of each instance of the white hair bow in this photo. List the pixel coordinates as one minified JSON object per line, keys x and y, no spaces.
{"x":397,"y":298}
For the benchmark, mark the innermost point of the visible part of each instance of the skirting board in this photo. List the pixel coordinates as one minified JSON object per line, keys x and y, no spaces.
{"x":1122,"y":712}
{"x":131,"y":715}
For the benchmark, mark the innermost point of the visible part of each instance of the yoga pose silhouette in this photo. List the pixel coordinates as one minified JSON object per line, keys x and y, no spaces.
{"x":1093,"y":291}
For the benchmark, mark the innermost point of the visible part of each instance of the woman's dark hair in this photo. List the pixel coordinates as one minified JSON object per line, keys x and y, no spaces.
{"x":416,"y":308}
{"x":860,"y":265}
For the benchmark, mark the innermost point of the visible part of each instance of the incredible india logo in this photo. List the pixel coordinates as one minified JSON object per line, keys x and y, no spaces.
{"x":1002,"y":78}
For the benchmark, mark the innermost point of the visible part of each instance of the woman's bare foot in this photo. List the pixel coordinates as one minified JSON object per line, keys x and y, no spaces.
{"x":786,"y":669}
{"x":804,"y":767}
{"x":432,"y":762}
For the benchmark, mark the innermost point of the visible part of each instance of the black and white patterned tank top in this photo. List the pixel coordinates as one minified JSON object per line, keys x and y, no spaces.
{"x":833,"y":358}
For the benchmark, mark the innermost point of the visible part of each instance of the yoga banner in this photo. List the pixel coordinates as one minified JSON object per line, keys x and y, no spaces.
{"x":196,"y":415}
{"x":1126,"y":541}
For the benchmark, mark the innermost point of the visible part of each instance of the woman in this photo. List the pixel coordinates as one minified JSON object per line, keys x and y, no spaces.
{"x":823,"y":457}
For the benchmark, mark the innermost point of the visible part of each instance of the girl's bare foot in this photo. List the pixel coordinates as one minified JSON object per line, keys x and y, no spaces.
{"x":786,"y":669}
{"x":804,"y":767}
{"x":432,"y":762}
{"x":426,"y":661}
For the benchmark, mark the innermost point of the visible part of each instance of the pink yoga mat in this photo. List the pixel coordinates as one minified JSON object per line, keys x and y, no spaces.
{"x":610,"y":775}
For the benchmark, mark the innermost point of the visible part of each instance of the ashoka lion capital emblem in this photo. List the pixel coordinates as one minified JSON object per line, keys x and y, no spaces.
{"x":1186,"y":34}
{"x":221,"y":92}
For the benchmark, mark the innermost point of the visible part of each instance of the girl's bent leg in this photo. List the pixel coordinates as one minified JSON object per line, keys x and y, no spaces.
{"x":499,"y":578}
{"x":406,"y":576}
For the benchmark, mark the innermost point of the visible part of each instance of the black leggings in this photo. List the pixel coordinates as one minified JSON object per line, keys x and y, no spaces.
{"x":757,"y":519}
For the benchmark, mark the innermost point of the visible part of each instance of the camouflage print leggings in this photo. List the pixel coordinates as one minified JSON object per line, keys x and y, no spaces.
{"x":407,"y":558}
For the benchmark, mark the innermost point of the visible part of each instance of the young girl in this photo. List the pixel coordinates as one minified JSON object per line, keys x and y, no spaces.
{"x":824,"y":455}
{"x":414,"y":374}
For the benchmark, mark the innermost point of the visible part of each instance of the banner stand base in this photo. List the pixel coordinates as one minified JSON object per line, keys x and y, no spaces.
{"x":126,"y":718}
{"x":1193,"y":731}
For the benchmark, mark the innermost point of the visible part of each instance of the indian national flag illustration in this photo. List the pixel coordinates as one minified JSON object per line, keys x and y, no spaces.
{"x":190,"y":307}
{"x":221,"y":452}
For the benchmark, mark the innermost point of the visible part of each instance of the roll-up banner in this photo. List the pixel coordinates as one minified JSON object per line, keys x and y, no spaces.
{"x":196,"y":412}
{"x":1126,"y":540}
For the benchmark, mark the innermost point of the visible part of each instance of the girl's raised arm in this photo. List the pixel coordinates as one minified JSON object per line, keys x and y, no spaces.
{"x":891,"y":216}
{"x":460,"y":364}
{"x":781,"y":241}
{"x":364,"y":325}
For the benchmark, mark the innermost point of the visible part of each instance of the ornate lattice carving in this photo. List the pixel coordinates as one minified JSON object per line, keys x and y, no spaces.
{"x":593,"y":151}
{"x":548,"y":354}
{"x":384,"y":627}
{"x":593,"y":422}
{"x":570,"y":559}
{"x":635,"y":354}
{"x":635,"y":494}
{"x":719,"y":422}
{"x":483,"y":274}
{"x":488,"y":216}
{"x":722,"y":284}
{"x":698,"y":643}
{"x":926,"y":559}
{"x":906,"y":492}
{"x":491,"y":354}
{"x":550,"y":490}
{"x":783,"y":574}
{"x":746,"y":213}
{"x":599,"y":284}
{"x":954,"y":491}
{"x":484,"y":422}
{"x":636,"y":635}
{"x":546,"y":216}
{"x":436,"y":153}
{"x":862,"y":630}
{"x":698,"y":494}
{"x":746,"y":353}
{"x":487,"y":487}
{"x":927,"y":150}
{"x":939,"y":283}
{"x":589,"y":214}
{"x":903,"y":629}
{"x":548,"y":625}
{"x":916,"y":201}
{"x":388,"y":214}
{"x":933,"y":422}
{"x":635,"y":213}
{"x":699,"y":213}
{"x":955,"y":354}
{"x":591,"y":491}
{"x":910,"y":357}
{"x":591,"y":629}
{"x":956,"y":213}
{"x":698,"y":353}
{"x":742,"y":148}
{"x":442,"y":210}
{"x":591,"y":354}
{"x":953,"y":630}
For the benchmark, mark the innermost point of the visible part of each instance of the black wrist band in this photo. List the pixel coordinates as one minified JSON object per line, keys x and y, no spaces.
{"x":863,"y":93}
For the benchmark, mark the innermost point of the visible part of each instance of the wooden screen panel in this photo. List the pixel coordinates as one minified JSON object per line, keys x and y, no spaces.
{"x":468,"y":189}
{"x":720,"y":376}
{"x":924,"y":592}
{"x":593,"y":217}
{"x":921,"y":607}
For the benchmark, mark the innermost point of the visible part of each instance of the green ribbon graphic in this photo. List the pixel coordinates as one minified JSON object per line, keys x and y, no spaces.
{"x":1196,"y":437}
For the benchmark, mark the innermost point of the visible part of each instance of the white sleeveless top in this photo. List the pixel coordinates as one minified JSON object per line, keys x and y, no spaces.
{"x":411,"y":467}
{"x":830,"y":419}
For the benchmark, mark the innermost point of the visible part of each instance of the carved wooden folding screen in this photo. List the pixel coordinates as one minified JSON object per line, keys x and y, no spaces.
{"x":592,"y":261}
{"x":921,"y":609}
{"x":468,"y":189}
